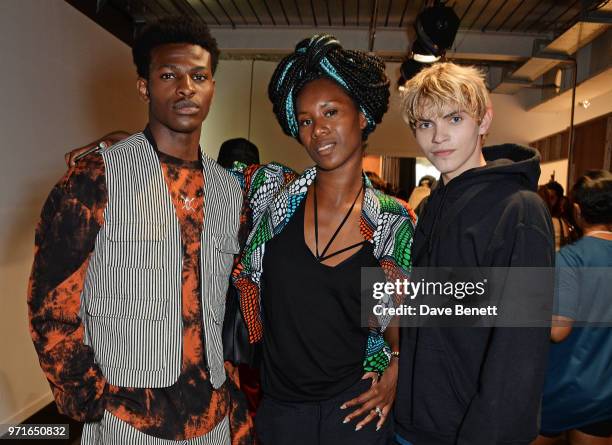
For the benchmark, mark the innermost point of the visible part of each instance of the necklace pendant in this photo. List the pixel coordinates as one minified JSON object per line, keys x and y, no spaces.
{"x":188,"y":203}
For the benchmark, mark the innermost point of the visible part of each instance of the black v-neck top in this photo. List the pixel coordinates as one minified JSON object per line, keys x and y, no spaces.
{"x":314,"y":344}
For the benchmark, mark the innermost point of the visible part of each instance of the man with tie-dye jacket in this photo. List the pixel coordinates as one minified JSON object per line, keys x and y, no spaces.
{"x":133,"y":254}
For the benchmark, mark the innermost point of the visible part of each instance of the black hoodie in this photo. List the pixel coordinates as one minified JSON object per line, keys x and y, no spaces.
{"x":473,"y":386}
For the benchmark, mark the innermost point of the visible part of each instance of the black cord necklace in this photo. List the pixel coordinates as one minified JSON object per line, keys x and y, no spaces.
{"x":322,"y":257}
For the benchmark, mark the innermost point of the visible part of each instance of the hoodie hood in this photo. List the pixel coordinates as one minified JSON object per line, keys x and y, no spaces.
{"x":513,"y":159}
{"x":516,"y":163}
{"x":475,"y":200}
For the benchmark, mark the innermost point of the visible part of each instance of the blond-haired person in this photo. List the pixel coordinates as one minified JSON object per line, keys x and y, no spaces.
{"x":462,"y":385}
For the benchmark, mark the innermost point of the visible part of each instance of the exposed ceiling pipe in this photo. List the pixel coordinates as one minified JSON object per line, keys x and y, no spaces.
{"x":571,"y":150}
{"x":373,"y":26}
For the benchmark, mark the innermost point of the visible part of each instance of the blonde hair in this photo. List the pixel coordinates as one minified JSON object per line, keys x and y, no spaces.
{"x":433,"y":89}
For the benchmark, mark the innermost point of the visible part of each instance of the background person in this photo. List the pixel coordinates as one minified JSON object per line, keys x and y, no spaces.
{"x":578,"y":390}
{"x":552,"y":194}
{"x":236,"y":347}
{"x":418,"y":197}
{"x":377,"y":182}
{"x":237,"y":149}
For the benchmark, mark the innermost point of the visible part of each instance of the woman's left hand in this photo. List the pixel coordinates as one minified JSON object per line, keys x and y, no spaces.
{"x":380,"y":395}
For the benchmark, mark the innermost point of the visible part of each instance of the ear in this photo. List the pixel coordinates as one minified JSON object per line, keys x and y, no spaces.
{"x":577,"y":213}
{"x":142,"y":85}
{"x":363,"y":122}
{"x":485,"y":122}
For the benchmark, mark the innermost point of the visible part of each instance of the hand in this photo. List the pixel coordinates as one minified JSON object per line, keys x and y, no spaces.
{"x":381,"y":394}
{"x":232,"y":372}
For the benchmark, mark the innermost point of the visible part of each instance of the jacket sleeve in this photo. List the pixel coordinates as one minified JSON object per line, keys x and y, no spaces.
{"x":506,"y":406}
{"x":260,"y":182}
{"x":65,"y":236}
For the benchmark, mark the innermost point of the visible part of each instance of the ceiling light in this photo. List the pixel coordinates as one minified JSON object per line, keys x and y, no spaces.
{"x":436,"y":28}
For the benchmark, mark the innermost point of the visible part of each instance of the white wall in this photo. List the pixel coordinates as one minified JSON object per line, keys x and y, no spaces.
{"x":512,"y":123}
{"x":229,"y":116}
{"x":229,"y":112}
{"x":64,"y":81}
{"x":556,"y":168}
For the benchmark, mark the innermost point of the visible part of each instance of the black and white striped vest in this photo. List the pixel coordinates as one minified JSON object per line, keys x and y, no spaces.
{"x":131,"y":302}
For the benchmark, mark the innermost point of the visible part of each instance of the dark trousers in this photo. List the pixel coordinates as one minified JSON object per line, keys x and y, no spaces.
{"x":317,"y":423}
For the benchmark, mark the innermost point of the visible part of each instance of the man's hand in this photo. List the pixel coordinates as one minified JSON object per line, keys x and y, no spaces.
{"x":111,"y":138}
{"x":381,"y":395}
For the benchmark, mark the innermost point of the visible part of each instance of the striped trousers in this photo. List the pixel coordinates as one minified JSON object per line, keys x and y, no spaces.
{"x":114,"y":431}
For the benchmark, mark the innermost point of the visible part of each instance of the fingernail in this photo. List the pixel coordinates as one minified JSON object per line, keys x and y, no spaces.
{"x":346,"y":420}
{"x":343,"y":407}
{"x":358,"y":427}
{"x":377,"y":427}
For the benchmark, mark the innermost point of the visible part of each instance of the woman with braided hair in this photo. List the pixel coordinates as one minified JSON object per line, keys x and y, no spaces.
{"x":299,"y":277}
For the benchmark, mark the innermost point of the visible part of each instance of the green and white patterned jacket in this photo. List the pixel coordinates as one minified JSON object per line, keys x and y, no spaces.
{"x":273,"y":194}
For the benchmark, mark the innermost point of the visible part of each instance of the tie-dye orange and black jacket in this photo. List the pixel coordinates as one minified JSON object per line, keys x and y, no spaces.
{"x":71,"y":218}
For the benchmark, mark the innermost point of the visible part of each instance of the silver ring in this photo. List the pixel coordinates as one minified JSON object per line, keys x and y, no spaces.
{"x":379,"y":411}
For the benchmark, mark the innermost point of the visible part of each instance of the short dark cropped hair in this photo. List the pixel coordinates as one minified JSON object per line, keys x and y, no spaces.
{"x":430,"y":180}
{"x":593,"y":193}
{"x":555,"y":187}
{"x":238,"y":149}
{"x":172,"y":30}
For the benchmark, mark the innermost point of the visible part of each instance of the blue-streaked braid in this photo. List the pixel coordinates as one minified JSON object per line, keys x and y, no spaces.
{"x":361,"y":75}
